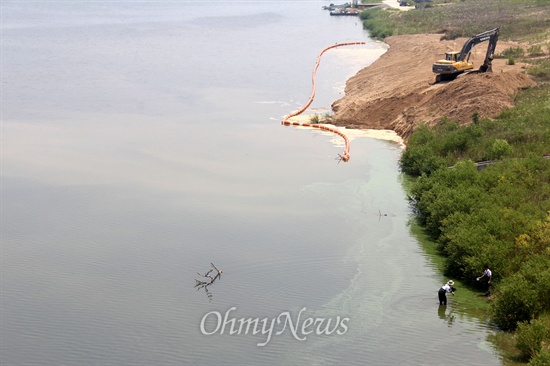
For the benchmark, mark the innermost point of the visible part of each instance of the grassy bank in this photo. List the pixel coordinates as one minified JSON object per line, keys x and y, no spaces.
{"x":523,"y":20}
{"x":500,"y":215}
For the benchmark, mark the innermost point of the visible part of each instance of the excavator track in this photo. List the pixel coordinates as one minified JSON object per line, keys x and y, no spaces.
{"x":446,"y":77}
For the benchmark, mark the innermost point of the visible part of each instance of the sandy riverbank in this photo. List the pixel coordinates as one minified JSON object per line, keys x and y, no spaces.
{"x":398,"y":92}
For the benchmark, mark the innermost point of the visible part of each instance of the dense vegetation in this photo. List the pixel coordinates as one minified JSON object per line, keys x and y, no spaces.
{"x":499,"y":215}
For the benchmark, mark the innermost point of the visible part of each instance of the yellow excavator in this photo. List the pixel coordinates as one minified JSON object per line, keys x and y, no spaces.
{"x":456,"y":63}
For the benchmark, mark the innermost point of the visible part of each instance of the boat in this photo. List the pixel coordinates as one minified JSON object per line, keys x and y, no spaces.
{"x":344,"y":12}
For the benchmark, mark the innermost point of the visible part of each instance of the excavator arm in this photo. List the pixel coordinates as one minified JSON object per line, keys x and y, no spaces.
{"x":487,"y":64}
{"x":492,"y":37}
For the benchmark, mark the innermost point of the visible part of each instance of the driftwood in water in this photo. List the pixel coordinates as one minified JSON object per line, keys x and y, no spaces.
{"x":200,"y":284}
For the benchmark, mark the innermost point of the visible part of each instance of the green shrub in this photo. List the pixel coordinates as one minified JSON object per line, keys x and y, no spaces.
{"x":376,"y":22}
{"x":535,"y":51}
{"x":479,"y":235}
{"x":537,"y":272}
{"x":475,"y":117}
{"x":513,"y":52}
{"x":525,"y":294}
{"x":535,"y":244}
{"x":499,"y":149}
{"x":530,"y":336}
{"x":314,"y":118}
{"x":540,"y":69}
{"x":421,"y":159}
{"x":541,"y":359}
{"x":511,"y":61}
{"x":515,"y":301}
{"x":539,"y":72}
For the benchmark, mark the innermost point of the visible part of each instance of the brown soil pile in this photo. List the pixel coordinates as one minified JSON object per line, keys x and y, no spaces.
{"x":398,"y":92}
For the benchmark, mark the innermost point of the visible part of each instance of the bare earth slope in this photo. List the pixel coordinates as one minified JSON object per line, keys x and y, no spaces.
{"x":398,"y":92}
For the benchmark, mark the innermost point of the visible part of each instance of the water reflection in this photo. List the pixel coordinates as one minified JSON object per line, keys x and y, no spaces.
{"x":209,"y":294}
{"x":442,"y":314}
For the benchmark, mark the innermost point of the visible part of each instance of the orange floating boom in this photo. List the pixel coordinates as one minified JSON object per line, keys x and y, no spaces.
{"x":286,"y":122}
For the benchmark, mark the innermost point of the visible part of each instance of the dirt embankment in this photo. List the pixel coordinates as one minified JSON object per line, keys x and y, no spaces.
{"x":398,"y":92}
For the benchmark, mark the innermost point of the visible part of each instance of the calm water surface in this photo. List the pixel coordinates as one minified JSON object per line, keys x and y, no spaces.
{"x":141,"y":141}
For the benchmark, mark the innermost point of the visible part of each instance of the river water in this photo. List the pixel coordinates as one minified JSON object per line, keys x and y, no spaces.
{"x":141,"y":142}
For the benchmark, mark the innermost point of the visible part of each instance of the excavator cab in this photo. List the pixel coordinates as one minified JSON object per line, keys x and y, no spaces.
{"x":450,"y":67}
{"x":452,"y":56}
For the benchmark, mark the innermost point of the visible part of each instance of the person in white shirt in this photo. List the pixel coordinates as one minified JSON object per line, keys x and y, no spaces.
{"x":442,"y":293}
{"x":485,"y":279}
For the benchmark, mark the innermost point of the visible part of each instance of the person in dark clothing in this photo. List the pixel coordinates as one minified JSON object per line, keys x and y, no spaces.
{"x":485,"y":280}
{"x":442,"y":293}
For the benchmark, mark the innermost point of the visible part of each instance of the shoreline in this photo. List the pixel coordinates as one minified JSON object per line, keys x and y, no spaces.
{"x":397,"y":105}
{"x":352,"y":133}
{"x":399,"y":96}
